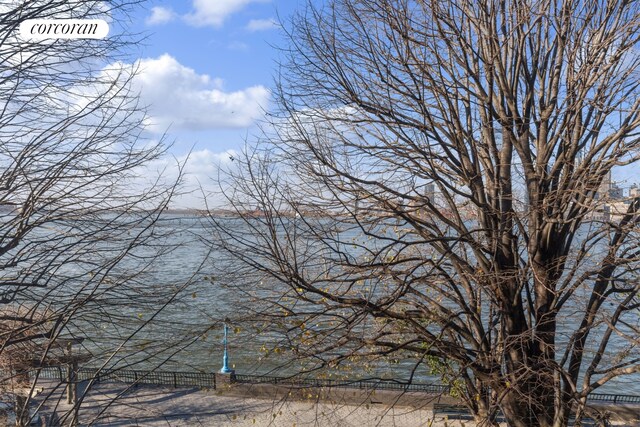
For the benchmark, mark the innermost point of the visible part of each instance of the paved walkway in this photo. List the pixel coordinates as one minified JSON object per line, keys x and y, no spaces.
{"x":165,"y":406}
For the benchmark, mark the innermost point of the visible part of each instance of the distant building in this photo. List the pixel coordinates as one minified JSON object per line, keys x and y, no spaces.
{"x":615,"y":192}
{"x":430,"y":191}
{"x":609,"y":190}
{"x":634,"y":191}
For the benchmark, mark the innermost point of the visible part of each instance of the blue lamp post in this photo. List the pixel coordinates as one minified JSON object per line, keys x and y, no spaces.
{"x":225,"y":359}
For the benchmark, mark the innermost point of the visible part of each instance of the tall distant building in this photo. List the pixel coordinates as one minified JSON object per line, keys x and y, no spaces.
{"x":609,"y":190}
{"x":430,"y":191}
{"x":615,"y":192}
{"x":603,"y":190}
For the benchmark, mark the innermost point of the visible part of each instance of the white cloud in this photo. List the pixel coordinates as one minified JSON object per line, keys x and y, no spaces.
{"x":261,"y":24}
{"x":199,"y":170}
{"x":160,"y":15}
{"x":203,"y":163}
{"x":214,"y":12}
{"x":181,"y":98}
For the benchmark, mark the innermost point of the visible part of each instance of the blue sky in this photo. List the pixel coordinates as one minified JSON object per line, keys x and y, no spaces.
{"x":206,"y":70}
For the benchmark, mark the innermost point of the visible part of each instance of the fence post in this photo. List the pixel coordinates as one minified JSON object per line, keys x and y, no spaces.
{"x":175,"y":380}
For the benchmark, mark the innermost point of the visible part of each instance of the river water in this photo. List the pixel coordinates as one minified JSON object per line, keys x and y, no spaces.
{"x":197,"y":319}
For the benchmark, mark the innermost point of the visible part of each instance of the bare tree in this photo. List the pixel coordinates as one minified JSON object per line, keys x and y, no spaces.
{"x":431,"y":191}
{"x":79,"y":203}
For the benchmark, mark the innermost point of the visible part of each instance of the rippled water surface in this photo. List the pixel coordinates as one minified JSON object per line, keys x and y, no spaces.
{"x":208,"y":303}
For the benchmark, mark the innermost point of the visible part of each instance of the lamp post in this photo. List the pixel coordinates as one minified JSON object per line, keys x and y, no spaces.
{"x":225,"y":359}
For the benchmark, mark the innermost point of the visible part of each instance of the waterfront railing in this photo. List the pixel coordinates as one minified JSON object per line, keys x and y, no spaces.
{"x":170,"y":378}
{"x":208,"y":380}
{"x":375,"y":384}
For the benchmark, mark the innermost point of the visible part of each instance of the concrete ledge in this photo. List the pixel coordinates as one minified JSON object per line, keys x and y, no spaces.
{"x":338,"y":395}
{"x":629,"y":413}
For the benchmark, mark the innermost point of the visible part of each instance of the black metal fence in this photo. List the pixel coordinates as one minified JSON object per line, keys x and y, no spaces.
{"x":361,"y":384}
{"x":208,"y":380}
{"x":613,"y":398}
{"x":175,"y":379}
